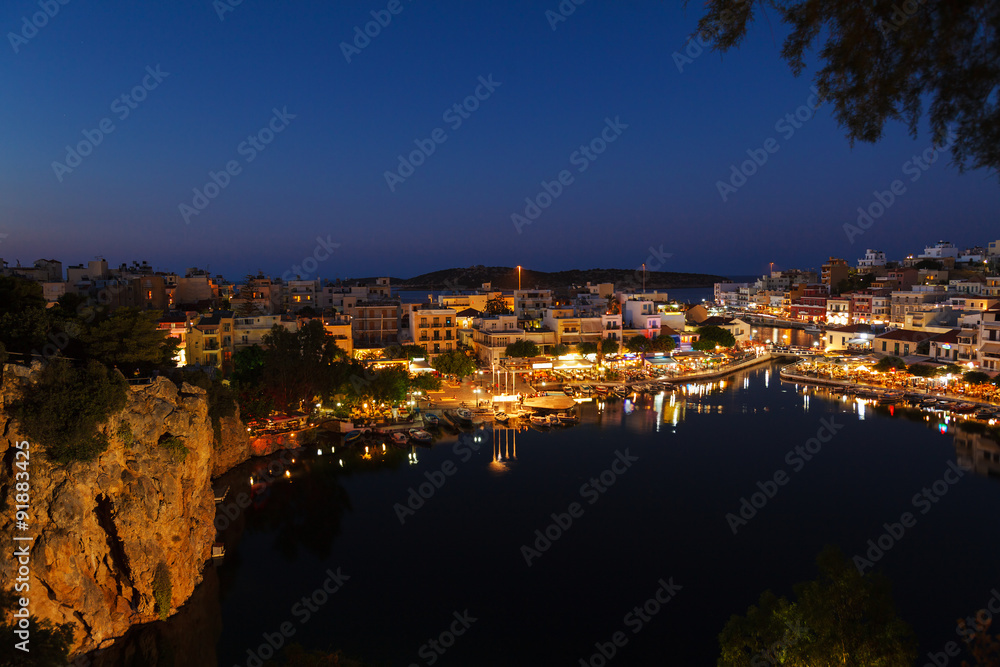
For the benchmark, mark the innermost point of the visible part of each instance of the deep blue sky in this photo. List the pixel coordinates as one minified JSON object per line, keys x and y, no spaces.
{"x":324,"y":174}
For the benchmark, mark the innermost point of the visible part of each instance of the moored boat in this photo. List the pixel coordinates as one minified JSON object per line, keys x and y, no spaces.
{"x":420,"y":435}
{"x":431,"y":419}
{"x":539,"y":420}
{"x":398,"y":438}
{"x":501,"y":417}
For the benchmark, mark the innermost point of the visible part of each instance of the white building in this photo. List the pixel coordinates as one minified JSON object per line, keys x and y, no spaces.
{"x":940,"y":250}
{"x":872,"y":259}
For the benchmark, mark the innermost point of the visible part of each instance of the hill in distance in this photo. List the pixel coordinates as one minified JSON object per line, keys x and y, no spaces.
{"x":505,"y":277}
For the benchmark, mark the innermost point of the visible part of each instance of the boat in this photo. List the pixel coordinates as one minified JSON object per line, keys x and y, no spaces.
{"x":601,"y":390}
{"x":539,"y":420}
{"x":586,"y":388}
{"x":964,"y":408}
{"x":569,"y":391}
{"x":552,"y":420}
{"x":567,"y":418}
{"x":985,"y":414}
{"x":501,"y":417}
{"x":621,"y":392}
{"x":353,"y":436}
{"x":420,"y":435}
{"x":431,"y":419}
{"x":812,"y":328}
{"x":464,"y":415}
{"x":398,"y":438}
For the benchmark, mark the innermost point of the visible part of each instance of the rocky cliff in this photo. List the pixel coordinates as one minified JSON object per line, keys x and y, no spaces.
{"x":102,"y":528}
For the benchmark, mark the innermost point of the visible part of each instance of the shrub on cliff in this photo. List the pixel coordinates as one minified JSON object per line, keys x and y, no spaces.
{"x":163,"y":590}
{"x":64,"y":409}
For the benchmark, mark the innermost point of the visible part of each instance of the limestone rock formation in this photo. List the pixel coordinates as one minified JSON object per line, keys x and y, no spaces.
{"x":101,"y":528}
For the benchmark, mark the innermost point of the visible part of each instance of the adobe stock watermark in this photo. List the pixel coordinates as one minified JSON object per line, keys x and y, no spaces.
{"x":914,"y":168}
{"x":796,"y":458}
{"x":562,"y":12}
{"x":924,"y":500}
{"x":248,"y":149}
{"x":302,"y":611}
{"x":417,"y":497}
{"x":363,"y":38}
{"x":635,"y":620}
{"x":786,"y":126}
{"x":581,"y":158}
{"x":310,"y":263}
{"x":122,"y":107}
{"x":37,"y":21}
{"x":454,"y":115}
{"x":434,"y":648}
{"x":223,"y":7}
{"x":591,"y":491}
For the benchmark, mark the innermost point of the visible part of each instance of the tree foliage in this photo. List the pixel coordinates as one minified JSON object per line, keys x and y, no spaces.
{"x":711,"y":336}
{"x":922,"y":370}
{"x":976,"y":377}
{"x":498,"y":306}
{"x":890,"y":363}
{"x":64,"y":409}
{"x":609,"y":346}
{"x":454,"y":363}
{"x":637,"y":344}
{"x":662,"y":344}
{"x":586,"y":348}
{"x":840,"y":618}
{"x":522,"y":349}
{"x":559,"y":349}
{"x":883,"y":60}
{"x":130,"y":340}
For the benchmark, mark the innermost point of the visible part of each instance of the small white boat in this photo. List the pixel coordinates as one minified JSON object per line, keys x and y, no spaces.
{"x":420,"y":435}
{"x":501,"y":417}
{"x":539,"y":420}
{"x":464,"y":414}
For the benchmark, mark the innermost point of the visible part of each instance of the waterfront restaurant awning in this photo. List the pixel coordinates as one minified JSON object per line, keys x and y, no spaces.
{"x":571,"y":364}
{"x":420,"y":366}
{"x":505,"y":398}
{"x":660,"y":361}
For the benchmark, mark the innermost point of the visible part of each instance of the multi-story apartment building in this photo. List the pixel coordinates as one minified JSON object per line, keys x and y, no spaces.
{"x":920,"y":298}
{"x":250,"y":330}
{"x":727,"y":294}
{"x":838,"y":310}
{"x":835,"y":270}
{"x":811,"y":305}
{"x":210,"y":341}
{"x":259,"y":295}
{"x":873,"y":259}
{"x":492,"y":335}
{"x":988,"y":345}
{"x":642,"y":315}
{"x":529,"y":304}
{"x":940,"y":250}
{"x":434,"y":329}
{"x":376,"y":323}
{"x":299,"y":294}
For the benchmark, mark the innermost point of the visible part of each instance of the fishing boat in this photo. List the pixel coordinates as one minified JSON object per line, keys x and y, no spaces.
{"x":552,"y":420}
{"x":601,"y":390}
{"x":964,"y":408}
{"x":501,"y":417}
{"x":812,"y":328}
{"x":420,"y":435}
{"x":431,"y":419}
{"x":353,"y":436}
{"x":567,"y":418}
{"x":586,"y":388}
{"x":398,"y":438}
{"x":569,"y":390}
{"x":539,"y":420}
{"x":463,"y":415}
{"x":621,"y":392}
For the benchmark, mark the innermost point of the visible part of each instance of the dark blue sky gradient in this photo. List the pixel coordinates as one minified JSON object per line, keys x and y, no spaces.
{"x":323,"y":175}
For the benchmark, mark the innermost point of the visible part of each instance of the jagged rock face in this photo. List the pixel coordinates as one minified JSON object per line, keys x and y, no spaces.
{"x":102,"y":527}
{"x":233,"y":448}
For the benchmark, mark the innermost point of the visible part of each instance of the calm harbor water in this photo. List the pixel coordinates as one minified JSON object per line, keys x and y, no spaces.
{"x":653,"y":481}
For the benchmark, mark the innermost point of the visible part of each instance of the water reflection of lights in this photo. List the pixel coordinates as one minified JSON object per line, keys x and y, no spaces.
{"x":319,"y":452}
{"x":629,"y":407}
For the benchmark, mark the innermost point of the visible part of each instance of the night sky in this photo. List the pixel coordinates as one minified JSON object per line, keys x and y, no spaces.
{"x":219,"y":81}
